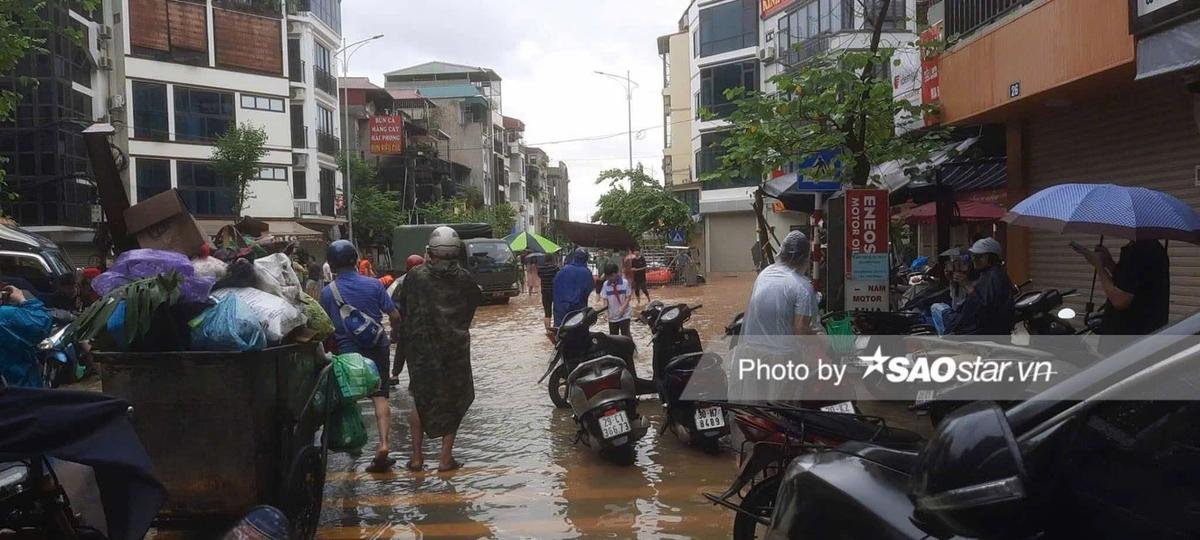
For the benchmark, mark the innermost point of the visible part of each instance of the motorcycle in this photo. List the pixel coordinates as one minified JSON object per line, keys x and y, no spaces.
{"x":604,"y":405}
{"x":58,"y":358}
{"x":575,"y":344}
{"x":33,"y":502}
{"x":678,"y":356}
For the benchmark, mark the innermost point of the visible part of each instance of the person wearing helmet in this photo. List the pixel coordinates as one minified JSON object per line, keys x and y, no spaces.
{"x":394,"y":291}
{"x":367,"y":301}
{"x":989,"y":308}
{"x":437,"y":303}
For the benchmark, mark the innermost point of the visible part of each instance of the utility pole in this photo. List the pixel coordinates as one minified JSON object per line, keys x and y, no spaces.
{"x":629,"y":86}
{"x":346,"y":54}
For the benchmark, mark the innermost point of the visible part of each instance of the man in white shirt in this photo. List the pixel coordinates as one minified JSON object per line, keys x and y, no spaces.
{"x":616,"y":294}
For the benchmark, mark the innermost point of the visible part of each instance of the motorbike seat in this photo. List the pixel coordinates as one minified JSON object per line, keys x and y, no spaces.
{"x":620,"y":346}
{"x":900,"y":460}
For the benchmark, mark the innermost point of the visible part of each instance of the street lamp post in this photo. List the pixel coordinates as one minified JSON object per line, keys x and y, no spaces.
{"x":629,"y":86}
{"x":346,"y":54}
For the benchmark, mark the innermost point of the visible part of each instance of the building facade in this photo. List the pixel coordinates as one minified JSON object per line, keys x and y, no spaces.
{"x":537,"y":188}
{"x":518,"y":187}
{"x":558,"y":181}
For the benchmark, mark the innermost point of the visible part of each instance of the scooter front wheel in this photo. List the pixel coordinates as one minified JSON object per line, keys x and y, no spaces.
{"x":760,"y":502}
{"x":557,"y":387}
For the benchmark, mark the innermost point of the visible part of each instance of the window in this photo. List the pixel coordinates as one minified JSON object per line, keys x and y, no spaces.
{"x":715,"y":81}
{"x":150,"y":111}
{"x":260,"y":103}
{"x":814,"y":19}
{"x":690,"y":197}
{"x":205,"y":193}
{"x":324,"y":120}
{"x":708,"y":159}
{"x":728,"y":27}
{"x":153,"y":177}
{"x":321,"y":58}
{"x":329,"y":11}
{"x":272,"y":173}
{"x":299,"y":185}
{"x":894,"y":19}
{"x":201,"y":115}
{"x":328,"y":191}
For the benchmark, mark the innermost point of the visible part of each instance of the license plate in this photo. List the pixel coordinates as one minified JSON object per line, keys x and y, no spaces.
{"x":614,"y":424}
{"x":844,"y":407}
{"x":710,"y":418}
{"x":924,"y":396}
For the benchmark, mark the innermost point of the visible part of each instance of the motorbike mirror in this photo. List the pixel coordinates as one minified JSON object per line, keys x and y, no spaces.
{"x":1066,"y":314}
{"x":971,"y":479}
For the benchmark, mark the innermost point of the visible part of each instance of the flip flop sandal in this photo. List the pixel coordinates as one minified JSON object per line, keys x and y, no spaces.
{"x":381,"y":463}
{"x":453,"y":465}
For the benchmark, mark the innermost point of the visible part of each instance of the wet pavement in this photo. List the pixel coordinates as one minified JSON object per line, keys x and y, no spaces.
{"x":523,"y":476}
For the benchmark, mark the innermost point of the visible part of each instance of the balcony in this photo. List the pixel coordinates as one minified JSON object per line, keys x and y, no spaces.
{"x":307,"y":208}
{"x":324,"y":80}
{"x":964,"y":17}
{"x":327,"y":143}
{"x":804,"y":51}
{"x":269,"y":8}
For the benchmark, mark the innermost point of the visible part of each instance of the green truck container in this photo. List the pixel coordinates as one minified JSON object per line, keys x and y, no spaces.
{"x":489,"y":260}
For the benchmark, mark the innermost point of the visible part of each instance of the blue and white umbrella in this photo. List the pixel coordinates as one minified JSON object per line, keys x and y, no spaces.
{"x":1134,"y":213}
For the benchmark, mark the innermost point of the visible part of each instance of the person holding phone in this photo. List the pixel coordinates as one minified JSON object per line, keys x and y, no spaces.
{"x":24,"y":322}
{"x":1138,"y":286}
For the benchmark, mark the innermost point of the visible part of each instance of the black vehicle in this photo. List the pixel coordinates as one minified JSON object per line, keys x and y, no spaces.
{"x":31,"y":262}
{"x":576,"y":344}
{"x":678,"y":357}
{"x":1108,"y":453}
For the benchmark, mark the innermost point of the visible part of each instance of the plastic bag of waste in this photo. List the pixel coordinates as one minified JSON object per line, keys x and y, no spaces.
{"x":357,"y":376}
{"x":318,"y":321}
{"x":210,"y":267}
{"x":279,"y":316}
{"x":276,"y":276}
{"x":137,"y":264}
{"x":346,"y":431}
{"x":228,"y":326}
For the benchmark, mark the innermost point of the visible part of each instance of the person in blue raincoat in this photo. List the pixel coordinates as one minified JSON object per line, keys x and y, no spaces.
{"x":24,"y":322}
{"x":572,"y":286}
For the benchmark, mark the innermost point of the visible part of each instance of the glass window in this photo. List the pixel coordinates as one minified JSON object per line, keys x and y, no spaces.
{"x":708,"y":159}
{"x":204,"y":192}
{"x":894,"y":19}
{"x":690,"y":197}
{"x":150,"y":111}
{"x":324,"y":119}
{"x":728,"y":27}
{"x":202,"y":115}
{"x":272,"y":173}
{"x":153,"y":177}
{"x":489,"y":254}
{"x":321,"y":58}
{"x":329,"y":11}
{"x":716,"y":80}
{"x":299,"y":185}
{"x":262,"y":103}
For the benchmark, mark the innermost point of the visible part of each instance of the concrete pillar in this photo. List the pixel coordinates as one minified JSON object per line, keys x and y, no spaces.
{"x":1017,"y":238}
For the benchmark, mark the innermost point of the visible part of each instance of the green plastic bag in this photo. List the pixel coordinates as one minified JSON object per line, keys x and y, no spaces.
{"x":347,"y":432}
{"x":357,"y":376}
{"x":318,"y":320}
{"x":841,"y":334}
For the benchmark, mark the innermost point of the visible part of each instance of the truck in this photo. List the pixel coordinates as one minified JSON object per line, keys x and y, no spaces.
{"x":489,"y":260}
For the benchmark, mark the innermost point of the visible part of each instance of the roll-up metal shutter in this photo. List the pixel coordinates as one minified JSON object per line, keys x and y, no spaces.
{"x":730,"y":238}
{"x":1146,"y":137}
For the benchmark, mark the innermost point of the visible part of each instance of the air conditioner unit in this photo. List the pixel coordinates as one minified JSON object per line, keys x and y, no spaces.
{"x":116,"y":101}
{"x":105,"y":32}
{"x":294,"y":28}
{"x":297,"y":92}
{"x":105,"y":63}
{"x":307,"y":208}
{"x":767,"y":54}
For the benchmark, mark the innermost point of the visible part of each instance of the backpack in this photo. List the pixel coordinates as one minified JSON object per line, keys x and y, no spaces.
{"x":366,"y":332}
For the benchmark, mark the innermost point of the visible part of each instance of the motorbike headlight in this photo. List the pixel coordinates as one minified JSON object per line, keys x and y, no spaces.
{"x":669,"y":315}
{"x":1066,"y":314}
{"x":574,"y":320}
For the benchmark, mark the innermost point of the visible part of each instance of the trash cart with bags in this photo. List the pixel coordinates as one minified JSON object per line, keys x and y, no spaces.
{"x":229,"y":431}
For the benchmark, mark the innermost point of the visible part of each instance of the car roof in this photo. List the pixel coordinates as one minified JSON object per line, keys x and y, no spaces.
{"x":18,"y":238}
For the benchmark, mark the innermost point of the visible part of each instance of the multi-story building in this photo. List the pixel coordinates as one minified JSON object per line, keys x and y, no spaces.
{"x":314,"y":35}
{"x":558,"y":180}
{"x":537,"y":188}
{"x":518,"y":182}
{"x":472,"y":115}
{"x":732,"y":43}
{"x":1110,"y":95}
{"x":47,"y":164}
{"x":193,"y":68}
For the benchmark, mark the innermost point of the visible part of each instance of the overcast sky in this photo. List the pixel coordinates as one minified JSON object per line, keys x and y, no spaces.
{"x":546,"y":51}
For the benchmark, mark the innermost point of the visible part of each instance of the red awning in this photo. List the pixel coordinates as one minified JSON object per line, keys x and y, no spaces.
{"x":966,"y":211}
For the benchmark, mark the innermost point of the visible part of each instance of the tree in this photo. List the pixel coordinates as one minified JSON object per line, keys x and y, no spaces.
{"x":644,"y":207}
{"x":502,"y":217}
{"x":22,"y":33}
{"x":237,"y":157}
{"x":375,"y":213}
{"x":362,"y":172}
{"x":834,"y":104}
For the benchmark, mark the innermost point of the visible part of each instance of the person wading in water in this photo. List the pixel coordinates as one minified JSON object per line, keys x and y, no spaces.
{"x":438,"y":301}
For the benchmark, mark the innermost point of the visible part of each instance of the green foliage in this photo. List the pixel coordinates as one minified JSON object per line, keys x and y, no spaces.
{"x":143,"y":299}
{"x":236,"y":157}
{"x":362,"y":172}
{"x":501,"y":217}
{"x":376,"y":213}
{"x":643,"y":207}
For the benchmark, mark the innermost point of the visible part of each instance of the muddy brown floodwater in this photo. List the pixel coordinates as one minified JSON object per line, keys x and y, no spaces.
{"x":523,"y":476}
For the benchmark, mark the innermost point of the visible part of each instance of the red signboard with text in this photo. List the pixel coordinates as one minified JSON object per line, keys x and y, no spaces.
{"x":866,"y":224}
{"x":387,"y":134}
{"x":931,"y":81}
{"x":771,"y":7}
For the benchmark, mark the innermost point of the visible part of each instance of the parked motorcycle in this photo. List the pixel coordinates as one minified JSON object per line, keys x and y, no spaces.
{"x":58,"y":357}
{"x":576,"y":344}
{"x":678,"y":356}
{"x":603,"y":398}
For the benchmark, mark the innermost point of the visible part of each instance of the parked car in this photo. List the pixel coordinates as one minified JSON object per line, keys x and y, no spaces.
{"x":31,"y":262}
{"x":1110,"y":452}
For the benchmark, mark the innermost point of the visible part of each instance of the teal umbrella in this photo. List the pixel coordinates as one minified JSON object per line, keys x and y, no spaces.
{"x":527,"y":241}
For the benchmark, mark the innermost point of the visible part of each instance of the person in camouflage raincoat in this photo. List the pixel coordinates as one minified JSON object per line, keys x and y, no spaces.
{"x":438,"y":303}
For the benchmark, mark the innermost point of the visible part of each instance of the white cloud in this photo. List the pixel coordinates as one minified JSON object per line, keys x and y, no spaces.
{"x":546,"y":51}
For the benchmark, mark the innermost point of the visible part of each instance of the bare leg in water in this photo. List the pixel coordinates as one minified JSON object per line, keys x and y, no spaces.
{"x":418,"y":439}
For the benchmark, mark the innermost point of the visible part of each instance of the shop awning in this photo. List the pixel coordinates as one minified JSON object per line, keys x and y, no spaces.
{"x":595,"y":235}
{"x":1168,"y":51}
{"x":891,"y":175}
{"x":283,"y":229}
{"x":964,"y":211}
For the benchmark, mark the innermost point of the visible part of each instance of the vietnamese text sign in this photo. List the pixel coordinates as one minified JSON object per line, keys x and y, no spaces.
{"x":870,"y":267}
{"x":866,"y":295}
{"x":866,"y":224}
{"x":387,"y":134}
{"x":770,"y":7}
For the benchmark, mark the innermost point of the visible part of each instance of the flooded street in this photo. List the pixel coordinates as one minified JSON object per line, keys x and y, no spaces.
{"x":523,"y":475}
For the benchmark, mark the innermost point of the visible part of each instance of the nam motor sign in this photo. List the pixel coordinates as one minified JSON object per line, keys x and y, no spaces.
{"x":867,"y":249}
{"x":387,"y":134}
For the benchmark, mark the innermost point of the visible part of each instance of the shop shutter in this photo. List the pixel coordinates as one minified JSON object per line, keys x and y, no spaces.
{"x":730,"y":238}
{"x":1146,"y":137}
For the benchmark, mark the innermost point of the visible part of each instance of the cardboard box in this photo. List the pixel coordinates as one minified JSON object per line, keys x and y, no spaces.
{"x":163,"y":222}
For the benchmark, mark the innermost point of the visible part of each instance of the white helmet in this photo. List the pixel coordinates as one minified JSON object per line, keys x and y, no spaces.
{"x":987,"y":245}
{"x":444,"y":243}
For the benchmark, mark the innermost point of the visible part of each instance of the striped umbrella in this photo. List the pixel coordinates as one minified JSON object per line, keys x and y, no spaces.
{"x":1134,"y":213}
{"x":527,"y":241}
